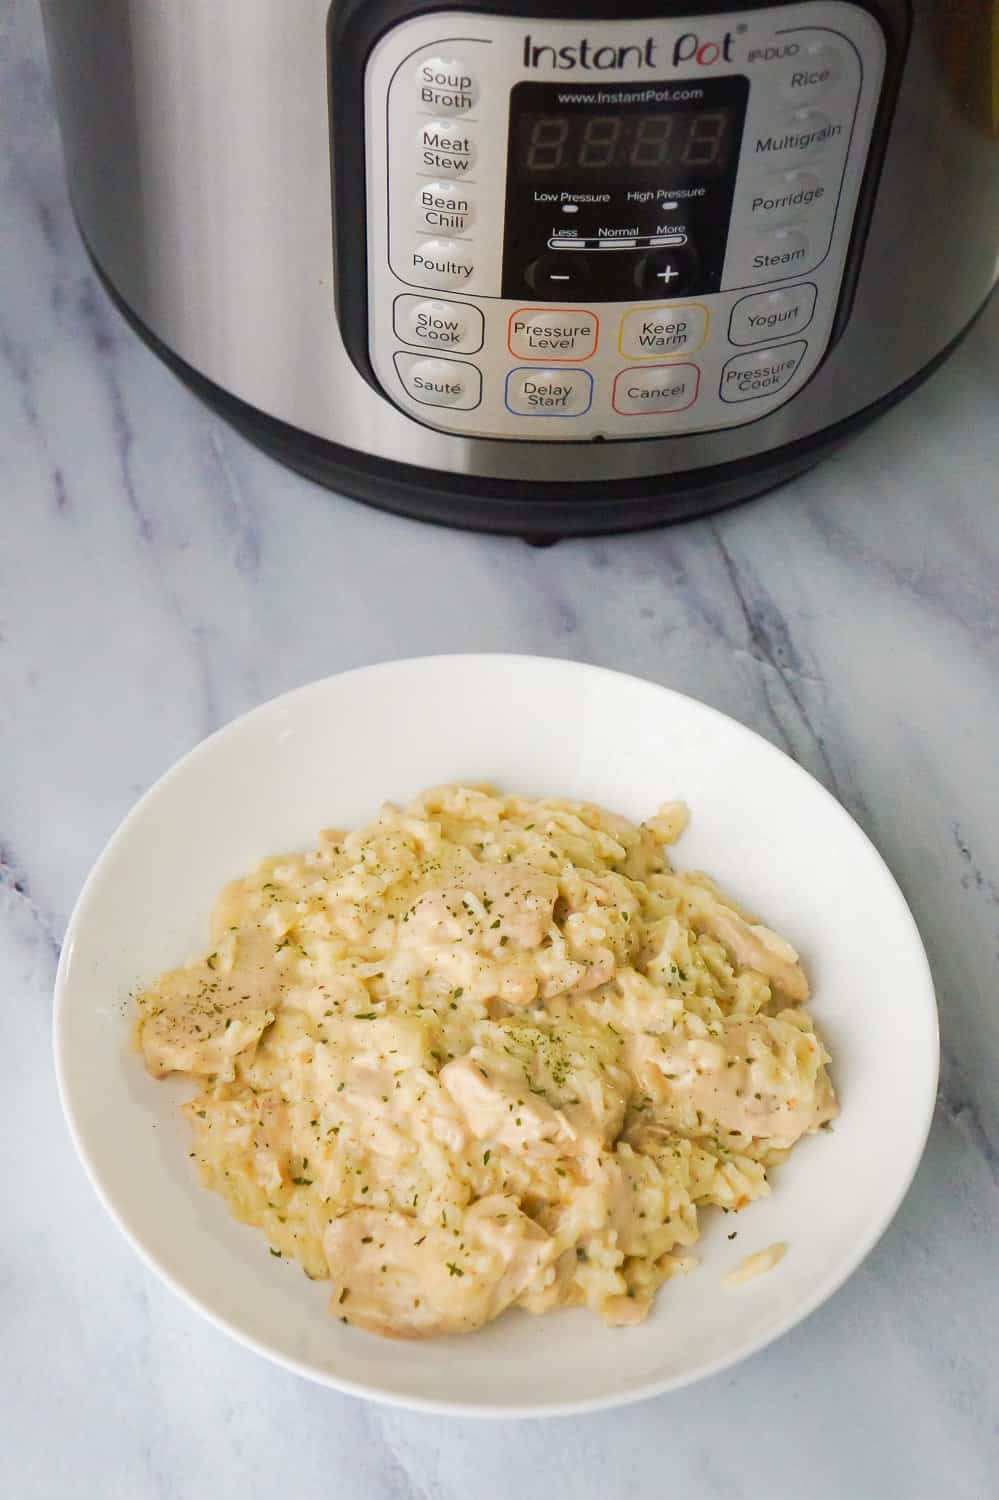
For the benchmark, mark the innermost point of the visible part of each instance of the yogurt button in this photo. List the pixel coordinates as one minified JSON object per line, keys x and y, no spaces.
{"x":446,"y":83}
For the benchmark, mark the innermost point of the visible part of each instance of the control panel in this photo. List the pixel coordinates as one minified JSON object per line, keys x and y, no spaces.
{"x":611,"y":229}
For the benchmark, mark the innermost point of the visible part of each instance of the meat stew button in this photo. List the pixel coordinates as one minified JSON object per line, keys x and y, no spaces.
{"x":440,"y":382}
{"x":653,"y":390}
{"x":761,"y":372}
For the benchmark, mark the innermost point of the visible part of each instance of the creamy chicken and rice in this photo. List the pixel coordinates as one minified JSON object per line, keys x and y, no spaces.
{"x":488,"y":1052}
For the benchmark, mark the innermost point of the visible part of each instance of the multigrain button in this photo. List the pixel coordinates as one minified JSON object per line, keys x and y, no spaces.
{"x":801,"y":138}
{"x":549,"y":393}
{"x":814,"y":69}
{"x":446,"y":146}
{"x":440,"y":382}
{"x":659,"y":332}
{"x":446,"y":83}
{"x":444,"y":206}
{"x":442,"y":263}
{"x":781,"y":252}
{"x":762,"y":372}
{"x":550,"y":333}
{"x":649,"y":391}
{"x":434,"y":324}
{"x":772,"y":315}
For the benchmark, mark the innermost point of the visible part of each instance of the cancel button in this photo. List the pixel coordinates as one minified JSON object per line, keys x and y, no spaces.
{"x":651,"y":390}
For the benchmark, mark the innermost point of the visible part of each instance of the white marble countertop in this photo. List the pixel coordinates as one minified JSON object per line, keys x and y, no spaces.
{"x":158,"y":576}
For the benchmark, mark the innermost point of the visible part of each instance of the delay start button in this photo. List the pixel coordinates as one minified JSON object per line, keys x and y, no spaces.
{"x":650,"y":390}
{"x":761,"y":372}
{"x":549,"y":393}
{"x":552,"y":333}
{"x":440,"y":382}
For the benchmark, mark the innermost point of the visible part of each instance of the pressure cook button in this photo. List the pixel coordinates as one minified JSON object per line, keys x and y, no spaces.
{"x":560,"y":275}
{"x":649,"y":390}
{"x":662,"y":331}
{"x":771,"y":315}
{"x":446,"y":146}
{"x":549,"y":393}
{"x":446,"y":83}
{"x":552,"y":333}
{"x":442,"y":263}
{"x":781,"y":252}
{"x":672,"y":271}
{"x":444,"y":206}
{"x":436,"y":325}
{"x":761,"y":372}
{"x":440,"y":382}
{"x":814,"y":68}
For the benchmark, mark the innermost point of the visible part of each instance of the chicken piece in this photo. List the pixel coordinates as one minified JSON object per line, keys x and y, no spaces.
{"x":497,"y":1104}
{"x":197,"y":1020}
{"x":393,"y":1276}
{"x":762,"y":1079}
{"x":754,"y":946}
{"x":496,"y":905}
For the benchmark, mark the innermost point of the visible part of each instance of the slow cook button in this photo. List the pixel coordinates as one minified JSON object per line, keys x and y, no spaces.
{"x":762,"y":372}
{"x":436,"y":325}
{"x":444,"y":205}
{"x":771,"y":315}
{"x":549,"y":333}
{"x":446,"y":146}
{"x":442,"y":263}
{"x":648,"y":391}
{"x":549,"y":393}
{"x":446,"y":83}
{"x":662,"y":331}
{"x":440,"y":382}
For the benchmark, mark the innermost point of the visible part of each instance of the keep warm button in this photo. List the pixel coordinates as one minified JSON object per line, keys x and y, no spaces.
{"x":761,"y":372}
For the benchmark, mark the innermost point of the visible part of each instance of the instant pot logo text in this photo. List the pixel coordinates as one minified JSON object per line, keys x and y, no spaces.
{"x":688,"y":50}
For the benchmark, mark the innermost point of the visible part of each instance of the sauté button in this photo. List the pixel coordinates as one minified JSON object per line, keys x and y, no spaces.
{"x":444,"y":206}
{"x":664,"y":330}
{"x":440,"y":382}
{"x":651,"y":390}
{"x":446,"y":146}
{"x":814,"y":69}
{"x":552,"y":333}
{"x":670,"y":270}
{"x":761,"y":372}
{"x":446,"y":83}
{"x":434,"y":324}
{"x":771,"y":315}
{"x":781,"y":252}
{"x":558,"y":275}
{"x":442,"y":263}
{"x":549,"y":393}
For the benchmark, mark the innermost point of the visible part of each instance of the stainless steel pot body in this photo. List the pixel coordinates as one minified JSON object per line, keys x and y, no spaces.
{"x":198,"y":149}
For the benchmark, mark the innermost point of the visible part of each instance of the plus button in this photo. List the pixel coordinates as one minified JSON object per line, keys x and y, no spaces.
{"x":674,"y":269}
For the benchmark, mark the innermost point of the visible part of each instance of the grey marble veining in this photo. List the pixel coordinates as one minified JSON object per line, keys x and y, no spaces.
{"x":158,"y":576}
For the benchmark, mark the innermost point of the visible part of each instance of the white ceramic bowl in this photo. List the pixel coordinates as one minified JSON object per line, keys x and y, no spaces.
{"x":329,"y":754}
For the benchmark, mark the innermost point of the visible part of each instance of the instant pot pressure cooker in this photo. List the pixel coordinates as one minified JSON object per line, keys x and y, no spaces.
{"x":535,"y":266}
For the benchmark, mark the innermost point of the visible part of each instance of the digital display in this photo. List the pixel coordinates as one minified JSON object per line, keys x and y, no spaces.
{"x":628,"y":148}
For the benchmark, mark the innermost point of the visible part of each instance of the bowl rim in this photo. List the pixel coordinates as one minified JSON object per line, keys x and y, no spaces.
{"x":514,"y":1410}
